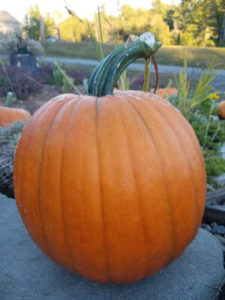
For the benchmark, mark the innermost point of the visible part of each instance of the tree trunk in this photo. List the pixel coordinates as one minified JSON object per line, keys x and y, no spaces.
{"x":58,"y":32}
{"x":222,"y":32}
{"x":42,"y":28}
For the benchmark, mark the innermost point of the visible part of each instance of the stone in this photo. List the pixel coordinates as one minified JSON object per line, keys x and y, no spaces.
{"x":26,"y":273}
{"x":218,"y":229}
{"x":206,"y":227}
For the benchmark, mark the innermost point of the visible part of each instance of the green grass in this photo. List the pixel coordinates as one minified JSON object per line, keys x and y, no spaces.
{"x":74,"y":50}
{"x":167,"y":55}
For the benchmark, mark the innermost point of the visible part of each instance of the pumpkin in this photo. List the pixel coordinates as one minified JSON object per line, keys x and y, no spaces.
{"x":222,"y":109}
{"x":10,"y":115}
{"x":166,"y":92}
{"x":111,"y":187}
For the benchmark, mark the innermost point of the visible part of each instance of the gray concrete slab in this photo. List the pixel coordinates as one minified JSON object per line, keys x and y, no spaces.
{"x":26,"y":273}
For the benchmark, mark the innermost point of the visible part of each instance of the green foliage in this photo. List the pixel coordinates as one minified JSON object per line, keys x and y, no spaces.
{"x":98,"y":40}
{"x":62,"y":80}
{"x":189,"y":99}
{"x":32,"y":24}
{"x":11,"y":134}
{"x":198,"y":105}
{"x":215,"y":165}
{"x":15,"y":44}
{"x":190,"y":23}
{"x":200,"y":22}
{"x":129,"y":21}
{"x":124,"y":82}
{"x":73,"y":30}
{"x":211,"y":135}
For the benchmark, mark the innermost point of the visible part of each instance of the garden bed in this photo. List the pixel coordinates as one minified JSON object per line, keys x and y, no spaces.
{"x":34,"y":101}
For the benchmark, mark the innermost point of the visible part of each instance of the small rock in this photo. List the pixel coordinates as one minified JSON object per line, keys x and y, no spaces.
{"x":206,"y":227}
{"x":213,"y":224}
{"x":218,"y":229}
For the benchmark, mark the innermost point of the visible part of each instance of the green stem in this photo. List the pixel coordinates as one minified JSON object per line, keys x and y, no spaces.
{"x":147,"y":74}
{"x":9,"y":99}
{"x":208,"y":123}
{"x":104,"y":77}
{"x":101,"y":35}
{"x":67,"y":78}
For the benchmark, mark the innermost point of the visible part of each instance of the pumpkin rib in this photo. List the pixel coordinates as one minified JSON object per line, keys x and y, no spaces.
{"x":60,"y":187}
{"x":201,"y":162}
{"x":163,"y":177}
{"x":183,"y":149}
{"x":109,"y":275}
{"x":143,"y":226}
{"x":81,"y":193}
{"x":39,"y":177}
{"x":187,"y":129}
{"x":134,"y":118}
{"x":20,"y":161}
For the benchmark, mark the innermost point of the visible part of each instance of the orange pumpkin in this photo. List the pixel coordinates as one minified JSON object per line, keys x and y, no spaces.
{"x":222,"y":109}
{"x":166,"y":92}
{"x":9,"y":115}
{"x":111,"y":187}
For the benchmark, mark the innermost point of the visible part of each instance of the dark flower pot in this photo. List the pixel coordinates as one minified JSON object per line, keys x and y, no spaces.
{"x":13,"y":58}
{"x":28,"y":63}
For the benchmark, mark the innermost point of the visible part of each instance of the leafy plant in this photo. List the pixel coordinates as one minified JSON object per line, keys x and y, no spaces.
{"x":189,"y":98}
{"x":15,"y":44}
{"x":199,"y":105}
{"x":11,"y":134}
{"x":9,"y":137}
{"x":16,"y":80}
{"x":63,"y":80}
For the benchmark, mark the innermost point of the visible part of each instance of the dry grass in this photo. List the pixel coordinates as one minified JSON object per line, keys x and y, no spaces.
{"x":167,"y":55}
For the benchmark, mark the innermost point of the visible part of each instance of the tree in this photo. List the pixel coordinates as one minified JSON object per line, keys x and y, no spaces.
{"x":32,"y":24}
{"x":219,"y":12}
{"x":129,"y":21}
{"x":58,"y":19}
{"x":192,"y":23}
{"x":196,"y":23}
{"x":74,"y":29}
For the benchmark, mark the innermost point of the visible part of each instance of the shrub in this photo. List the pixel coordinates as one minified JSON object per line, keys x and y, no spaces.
{"x":14,"y":79}
{"x":77,"y":74}
{"x":8,"y":140}
{"x":198,"y":105}
{"x":14,"y":44}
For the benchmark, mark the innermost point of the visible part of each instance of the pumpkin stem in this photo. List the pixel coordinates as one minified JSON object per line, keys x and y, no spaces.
{"x":105,"y":75}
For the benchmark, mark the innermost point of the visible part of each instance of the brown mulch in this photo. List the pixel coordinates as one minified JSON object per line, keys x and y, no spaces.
{"x":36,"y":100}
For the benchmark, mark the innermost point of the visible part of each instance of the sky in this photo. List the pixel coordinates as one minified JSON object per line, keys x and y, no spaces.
{"x":83,"y":8}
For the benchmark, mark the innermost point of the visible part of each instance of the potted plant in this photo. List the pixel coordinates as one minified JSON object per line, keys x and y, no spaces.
{"x":22,"y":52}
